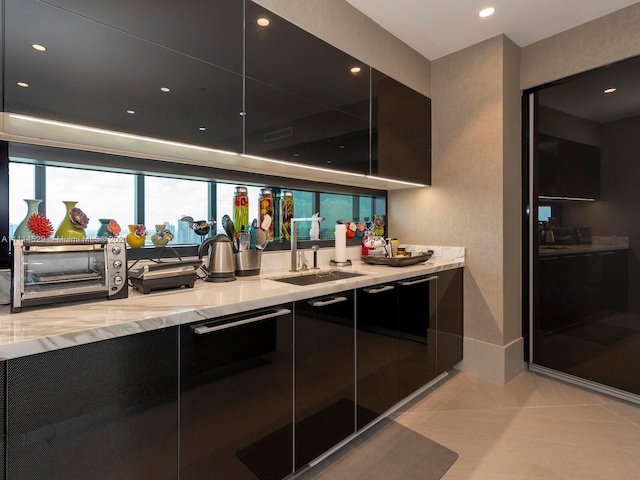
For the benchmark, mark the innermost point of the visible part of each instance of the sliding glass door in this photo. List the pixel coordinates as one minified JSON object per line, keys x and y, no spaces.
{"x":584,"y":228}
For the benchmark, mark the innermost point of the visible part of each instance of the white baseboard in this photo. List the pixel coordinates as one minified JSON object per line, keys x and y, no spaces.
{"x":497,"y":363}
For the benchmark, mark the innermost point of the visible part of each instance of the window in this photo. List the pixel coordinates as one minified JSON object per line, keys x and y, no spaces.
{"x":21,"y":186}
{"x":113,"y":195}
{"x":99,"y":195}
{"x":544,"y":213}
{"x":167,"y":200}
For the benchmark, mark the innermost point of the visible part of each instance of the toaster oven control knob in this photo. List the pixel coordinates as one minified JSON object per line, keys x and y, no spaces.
{"x":117,"y":263}
{"x":116,"y":250}
{"x":117,"y":280}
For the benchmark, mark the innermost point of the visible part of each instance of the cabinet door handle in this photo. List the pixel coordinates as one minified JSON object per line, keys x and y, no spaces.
{"x":324,"y":303}
{"x":416,"y":282}
{"x":384,"y":288}
{"x":202,"y":329}
{"x":606,"y":253}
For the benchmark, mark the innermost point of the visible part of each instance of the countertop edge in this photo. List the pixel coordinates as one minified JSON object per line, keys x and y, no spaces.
{"x":140,"y":313}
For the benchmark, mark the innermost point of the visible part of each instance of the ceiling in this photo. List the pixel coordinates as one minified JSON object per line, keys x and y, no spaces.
{"x":438,"y":28}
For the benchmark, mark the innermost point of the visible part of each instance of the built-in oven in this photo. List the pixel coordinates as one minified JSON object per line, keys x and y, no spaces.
{"x":62,"y":270}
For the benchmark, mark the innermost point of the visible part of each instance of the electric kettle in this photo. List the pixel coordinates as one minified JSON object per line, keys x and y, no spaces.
{"x":219,"y":265}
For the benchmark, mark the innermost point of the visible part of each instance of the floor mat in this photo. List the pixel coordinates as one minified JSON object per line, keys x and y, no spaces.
{"x":597,"y":332}
{"x":386,"y":451}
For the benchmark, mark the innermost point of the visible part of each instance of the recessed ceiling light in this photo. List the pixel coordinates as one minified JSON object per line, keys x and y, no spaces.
{"x":263,"y":22}
{"x":487,"y":12}
{"x":341,"y":146}
{"x":165,"y":89}
{"x":202,"y":129}
{"x":609,"y":90}
{"x":40,"y":48}
{"x":356,"y":70}
{"x":131,"y":112}
{"x":23,"y":84}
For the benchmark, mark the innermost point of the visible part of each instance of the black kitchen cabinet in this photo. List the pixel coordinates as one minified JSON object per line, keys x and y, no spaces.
{"x":284,"y":126}
{"x":3,"y":369}
{"x":567,"y":168}
{"x":377,"y":351}
{"x":576,"y":288}
{"x":105,"y":410}
{"x":401,"y":131}
{"x":325,"y":409}
{"x":450,"y":312}
{"x":207,"y":30}
{"x":303,"y":102}
{"x":236,"y":396}
{"x":417,"y":329}
{"x":102,"y":63}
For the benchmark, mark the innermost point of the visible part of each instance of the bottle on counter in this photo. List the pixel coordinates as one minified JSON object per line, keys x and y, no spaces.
{"x":286,"y":214}
{"x":265,"y":201}
{"x":240,"y":209}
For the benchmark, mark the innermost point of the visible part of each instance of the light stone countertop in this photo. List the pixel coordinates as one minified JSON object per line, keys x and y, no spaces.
{"x":41,"y":329}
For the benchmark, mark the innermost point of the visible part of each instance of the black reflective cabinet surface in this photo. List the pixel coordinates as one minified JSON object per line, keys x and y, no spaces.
{"x":325,"y":374}
{"x":304,"y":103}
{"x":275,"y":91}
{"x":105,"y":410}
{"x":105,"y":68}
{"x":236,"y":396}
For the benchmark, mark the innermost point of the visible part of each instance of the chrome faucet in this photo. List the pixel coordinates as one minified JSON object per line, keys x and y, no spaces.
{"x":294,"y":239}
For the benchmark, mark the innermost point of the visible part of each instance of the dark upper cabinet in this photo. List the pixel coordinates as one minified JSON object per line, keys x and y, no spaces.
{"x":303,"y":103}
{"x":401,"y":131}
{"x":208,"y":30}
{"x":567,"y":168}
{"x":93,"y":74}
{"x":284,"y":126}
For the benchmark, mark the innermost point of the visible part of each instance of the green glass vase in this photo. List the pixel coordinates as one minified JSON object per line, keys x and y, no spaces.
{"x":66,"y":228}
{"x":22,"y":231}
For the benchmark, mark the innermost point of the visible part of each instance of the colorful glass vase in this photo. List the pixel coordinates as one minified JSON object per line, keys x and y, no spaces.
{"x":102,"y":231}
{"x":22,"y":231}
{"x":67,"y":229}
{"x":133,"y":240}
{"x":162,"y":236}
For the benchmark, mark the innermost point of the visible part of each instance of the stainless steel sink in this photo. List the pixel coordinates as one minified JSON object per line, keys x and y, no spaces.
{"x":318,"y":277}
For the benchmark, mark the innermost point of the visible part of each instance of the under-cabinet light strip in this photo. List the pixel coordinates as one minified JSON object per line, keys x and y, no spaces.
{"x":118,"y":134}
{"x":395,"y":181}
{"x":310,"y":167}
{"x":196,"y":147}
{"x":574,"y":199}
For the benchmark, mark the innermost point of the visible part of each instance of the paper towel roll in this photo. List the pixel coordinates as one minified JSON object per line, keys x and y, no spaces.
{"x":341,"y":242}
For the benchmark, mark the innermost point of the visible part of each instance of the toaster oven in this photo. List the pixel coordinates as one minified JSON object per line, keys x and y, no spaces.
{"x":65,"y":270}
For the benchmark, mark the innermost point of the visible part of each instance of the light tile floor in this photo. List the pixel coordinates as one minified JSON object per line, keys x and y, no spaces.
{"x":534,"y":427}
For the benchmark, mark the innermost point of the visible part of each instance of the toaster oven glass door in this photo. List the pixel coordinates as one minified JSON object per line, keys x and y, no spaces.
{"x":50,"y":273}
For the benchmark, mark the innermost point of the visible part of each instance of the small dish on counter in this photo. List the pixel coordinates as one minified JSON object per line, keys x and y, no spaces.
{"x":397,"y":261}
